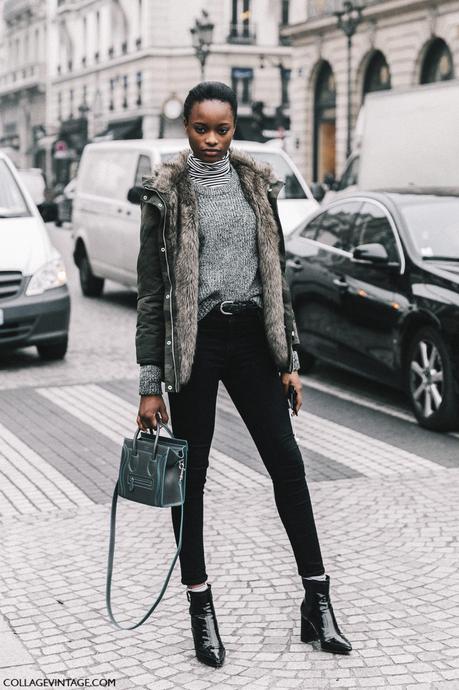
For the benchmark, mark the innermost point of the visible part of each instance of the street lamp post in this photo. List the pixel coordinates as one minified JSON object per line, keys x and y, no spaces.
{"x":201,"y":37}
{"x":349,"y":19}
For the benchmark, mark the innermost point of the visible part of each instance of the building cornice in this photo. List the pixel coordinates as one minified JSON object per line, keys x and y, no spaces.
{"x":167,"y":52}
{"x":327,"y":23}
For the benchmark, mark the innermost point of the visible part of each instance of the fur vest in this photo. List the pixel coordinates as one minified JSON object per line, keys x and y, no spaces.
{"x":167,"y":313}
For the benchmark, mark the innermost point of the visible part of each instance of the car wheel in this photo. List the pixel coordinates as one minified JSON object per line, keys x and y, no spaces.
{"x":56,"y":350}
{"x":91,"y":285}
{"x":431,"y":382}
{"x":307,"y":361}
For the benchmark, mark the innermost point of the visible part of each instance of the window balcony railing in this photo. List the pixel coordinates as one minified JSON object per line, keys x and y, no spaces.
{"x":323,"y":8}
{"x":284,"y":40}
{"x":242,"y":33}
{"x":25,"y":77}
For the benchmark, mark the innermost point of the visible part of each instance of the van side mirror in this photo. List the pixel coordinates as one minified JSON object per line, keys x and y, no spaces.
{"x":48,"y":211}
{"x":373,"y":252}
{"x":134,"y":195}
{"x":317,"y":191}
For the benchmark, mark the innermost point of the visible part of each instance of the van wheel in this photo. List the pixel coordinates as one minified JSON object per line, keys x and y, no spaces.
{"x":91,"y":285}
{"x":56,"y":350}
{"x":430,"y":382}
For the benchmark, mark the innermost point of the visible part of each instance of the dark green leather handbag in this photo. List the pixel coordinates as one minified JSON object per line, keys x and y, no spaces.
{"x":152,"y":471}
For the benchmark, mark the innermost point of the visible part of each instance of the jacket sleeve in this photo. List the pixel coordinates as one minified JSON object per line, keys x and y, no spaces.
{"x":150,"y":291}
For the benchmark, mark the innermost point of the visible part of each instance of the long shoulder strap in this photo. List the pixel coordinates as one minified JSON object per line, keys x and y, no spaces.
{"x":111,"y":552}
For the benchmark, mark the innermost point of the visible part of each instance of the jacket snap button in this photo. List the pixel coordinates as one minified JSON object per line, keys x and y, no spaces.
{"x":160,"y":205}
{"x":168,"y":342}
{"x":162,"y":249}
{"x":169,"y":388}
{"x":145,"y":198}
{"x":167,"y":296}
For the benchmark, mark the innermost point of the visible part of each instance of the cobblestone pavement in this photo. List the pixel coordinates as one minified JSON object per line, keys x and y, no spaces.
{"x":385,"y":495}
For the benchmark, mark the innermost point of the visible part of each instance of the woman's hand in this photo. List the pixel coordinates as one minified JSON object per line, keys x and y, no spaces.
{"x":293,"y":379}
{"x":149,"y":407}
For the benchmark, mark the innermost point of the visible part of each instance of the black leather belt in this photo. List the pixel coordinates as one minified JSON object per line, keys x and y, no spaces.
{"x":229,"y":307}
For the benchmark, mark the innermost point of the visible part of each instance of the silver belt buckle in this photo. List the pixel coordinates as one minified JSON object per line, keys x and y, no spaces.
{"x":226,"y":301}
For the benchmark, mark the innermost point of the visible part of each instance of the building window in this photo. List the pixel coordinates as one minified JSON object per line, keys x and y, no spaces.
{"x":111,"y":105}
{"x":138,"y":42}
{"x":125,"y":91}
{"x":285,"y":87}
{"x":285,"y":6}
{"x":85,"y":41}
{"x":438,"y":62}
{"x":324,"y":143}
{"x":138,"y":79}
{"x":71,"y":103}
{"x":241,"y":79}
{"x":59,"y":106}
{"x":241,"y":30}
{"x":377,"y":75}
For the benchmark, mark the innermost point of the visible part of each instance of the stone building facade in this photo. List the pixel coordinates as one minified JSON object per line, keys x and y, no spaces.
{"x":399,"y":44}
{"x":23,"y":78}
{"x":121,"y":68}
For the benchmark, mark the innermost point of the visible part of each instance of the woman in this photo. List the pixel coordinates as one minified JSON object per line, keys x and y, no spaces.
{"x":213,"y":304}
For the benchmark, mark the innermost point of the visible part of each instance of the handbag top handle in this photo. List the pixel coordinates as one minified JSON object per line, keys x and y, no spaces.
{"x":158,"y":429}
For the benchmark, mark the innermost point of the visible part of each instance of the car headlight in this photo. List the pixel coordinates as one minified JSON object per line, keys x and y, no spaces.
{"x":49,"y":276}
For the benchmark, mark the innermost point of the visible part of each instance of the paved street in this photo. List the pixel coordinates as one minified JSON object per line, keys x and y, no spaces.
{"x":386,"y":499}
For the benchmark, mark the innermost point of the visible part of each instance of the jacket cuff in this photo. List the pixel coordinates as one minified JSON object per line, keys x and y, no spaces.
{"x":295,"y":361}
{"x":150,"y":377}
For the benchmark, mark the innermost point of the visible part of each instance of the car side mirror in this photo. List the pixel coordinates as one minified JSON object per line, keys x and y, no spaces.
{"x":317,"y":191}
{"x":134,"y":195}
{"x":48,"y":211}
{"x":373,"y":253}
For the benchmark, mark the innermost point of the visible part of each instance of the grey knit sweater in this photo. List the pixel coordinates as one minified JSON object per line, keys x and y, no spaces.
{"x":228,"y":258}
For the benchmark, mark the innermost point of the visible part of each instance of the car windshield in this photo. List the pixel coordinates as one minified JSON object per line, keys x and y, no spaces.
{"x":433,"y":226}
{"x":292,"y":188}
{"x":12,"y":203}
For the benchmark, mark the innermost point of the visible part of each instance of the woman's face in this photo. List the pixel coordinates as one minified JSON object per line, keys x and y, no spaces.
{"x":210,"y":129}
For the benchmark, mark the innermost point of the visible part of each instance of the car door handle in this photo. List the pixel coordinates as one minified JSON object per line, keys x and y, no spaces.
{"x":340,"y":283}
{"x":294,"y":264}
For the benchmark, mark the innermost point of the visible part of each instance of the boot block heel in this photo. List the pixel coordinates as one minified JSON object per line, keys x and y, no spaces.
{"x":308,"y":633}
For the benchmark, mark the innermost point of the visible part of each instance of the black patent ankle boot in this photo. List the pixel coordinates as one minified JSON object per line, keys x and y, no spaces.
{"x":207,"y":643}
{"x":318,"y":620}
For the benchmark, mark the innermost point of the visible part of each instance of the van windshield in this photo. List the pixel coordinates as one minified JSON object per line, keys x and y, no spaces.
{"x":12,"y":203}
{"x":292,"y":188}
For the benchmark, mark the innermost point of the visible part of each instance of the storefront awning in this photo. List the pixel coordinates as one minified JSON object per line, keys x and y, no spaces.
{"x":121,"y":129}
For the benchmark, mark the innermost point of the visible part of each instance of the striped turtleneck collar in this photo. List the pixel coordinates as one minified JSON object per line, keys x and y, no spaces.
{"x":209,"y":174}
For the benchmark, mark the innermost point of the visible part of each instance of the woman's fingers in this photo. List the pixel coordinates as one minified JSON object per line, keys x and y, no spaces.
{"x":163,"y":413}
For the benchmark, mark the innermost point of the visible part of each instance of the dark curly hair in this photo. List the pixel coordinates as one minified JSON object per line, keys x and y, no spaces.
{"x":210,"y":91}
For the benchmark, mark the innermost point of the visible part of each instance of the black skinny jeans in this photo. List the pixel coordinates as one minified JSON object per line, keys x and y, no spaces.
{"x":234,"y":349}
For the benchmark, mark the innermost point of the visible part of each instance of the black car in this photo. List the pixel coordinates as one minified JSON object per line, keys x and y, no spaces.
{"x":374,"y":278}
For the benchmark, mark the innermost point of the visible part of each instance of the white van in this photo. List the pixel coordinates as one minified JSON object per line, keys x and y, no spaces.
{"x":34,"y":298}
{"x":403,"y":139}
{"x":106,"y":224}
